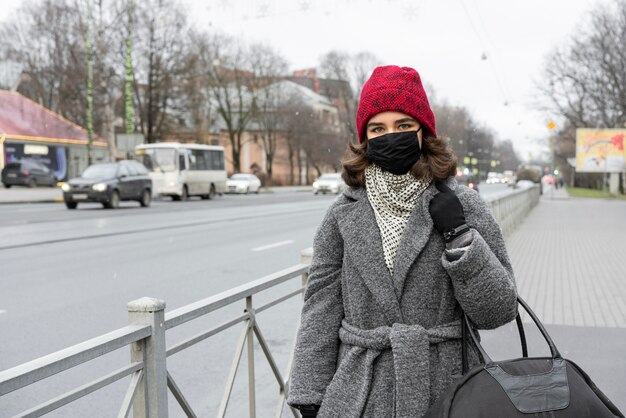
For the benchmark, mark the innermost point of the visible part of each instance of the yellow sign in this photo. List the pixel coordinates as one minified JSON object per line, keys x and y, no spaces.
{"x":600,"y":150}
{"x":551,"y":125}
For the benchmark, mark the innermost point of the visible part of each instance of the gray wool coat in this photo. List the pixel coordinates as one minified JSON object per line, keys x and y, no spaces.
{"x":375,"y":345}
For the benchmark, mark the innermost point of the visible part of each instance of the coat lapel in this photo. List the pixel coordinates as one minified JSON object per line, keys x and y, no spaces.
{"x":364,"y":245}
{"x":415,"y":237}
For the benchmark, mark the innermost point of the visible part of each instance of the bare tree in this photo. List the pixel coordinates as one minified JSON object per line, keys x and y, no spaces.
{"x":229,"y":84}
{"x":584,"y":81}
{"x":509,"y":160}
{"x":160,"y":27}
{"x":355,"y":69}
{"x":47,"y":39}
{"x":296,"y":122}
{"x":269,"y":66}
{"x":453,"y":123}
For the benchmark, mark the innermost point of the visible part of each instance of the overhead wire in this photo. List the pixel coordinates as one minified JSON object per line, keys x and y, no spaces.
{"x":484,"y":48}
{"x":493,"y":46}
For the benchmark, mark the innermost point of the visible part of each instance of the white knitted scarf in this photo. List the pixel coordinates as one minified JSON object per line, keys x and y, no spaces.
{"x":393,"y":198}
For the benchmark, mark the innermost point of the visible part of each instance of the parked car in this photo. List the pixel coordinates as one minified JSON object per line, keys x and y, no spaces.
{"x":29,"y":173}
{"x":110,"y":183}
{"x":329,"y":183}
{"x":243,"y":183}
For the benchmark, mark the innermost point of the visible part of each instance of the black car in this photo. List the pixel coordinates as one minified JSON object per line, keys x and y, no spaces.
{"x":29,"y":173}
{"x":110,"y":183}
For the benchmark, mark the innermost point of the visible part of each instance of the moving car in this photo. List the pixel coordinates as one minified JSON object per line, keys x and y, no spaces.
{"x":494,"y":178}
{"x":110,"y":183}
{"x":243,"y":183}
{"x":329,"y":183}
{"x":509,"y":177}
{"x":468,"y":181}
{"x":29,"y":173}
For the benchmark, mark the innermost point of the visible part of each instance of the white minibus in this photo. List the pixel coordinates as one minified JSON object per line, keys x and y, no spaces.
{"x":183,"y":170}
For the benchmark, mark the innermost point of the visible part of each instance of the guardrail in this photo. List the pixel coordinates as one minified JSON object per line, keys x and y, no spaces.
{"x":146,"y":336}
{"x":510,"y":209}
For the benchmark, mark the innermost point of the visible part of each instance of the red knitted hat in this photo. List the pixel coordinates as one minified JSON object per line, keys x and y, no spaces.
{"x":393,"y":88}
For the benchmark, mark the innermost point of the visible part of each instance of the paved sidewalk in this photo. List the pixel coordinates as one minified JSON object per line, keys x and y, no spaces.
{"x":16,"y":195}
{"x":569,"y":257}
{"x":570,"y":260}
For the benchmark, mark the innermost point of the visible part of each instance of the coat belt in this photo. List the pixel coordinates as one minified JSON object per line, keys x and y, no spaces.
{"x":348,"y":392}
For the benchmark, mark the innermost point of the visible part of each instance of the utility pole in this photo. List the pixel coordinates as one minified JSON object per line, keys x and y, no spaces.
{"x":129,"y":113}
{"x":89,"y":47}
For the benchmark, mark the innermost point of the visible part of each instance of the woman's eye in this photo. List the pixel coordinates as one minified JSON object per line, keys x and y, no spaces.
{"x":405,"y":126}
{"x":377,"y":130}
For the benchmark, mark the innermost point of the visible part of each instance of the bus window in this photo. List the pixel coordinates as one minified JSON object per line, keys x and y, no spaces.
{"x":199,"y":159}
{"x":159,"y":160}
{"x":216,"y":160}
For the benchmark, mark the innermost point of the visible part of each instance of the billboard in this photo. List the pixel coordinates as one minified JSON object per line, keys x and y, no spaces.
{"x":600,"y":150}
{"x":52,"y":156}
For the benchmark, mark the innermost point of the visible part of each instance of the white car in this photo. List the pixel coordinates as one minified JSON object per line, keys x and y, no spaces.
{"x":243,"y":183}
{"x":329,"y":183}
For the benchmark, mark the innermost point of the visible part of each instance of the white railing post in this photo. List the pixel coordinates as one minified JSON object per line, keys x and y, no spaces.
{"x":151,"y":399}
{"x":251,"y":378}
{"x":306,"y":256}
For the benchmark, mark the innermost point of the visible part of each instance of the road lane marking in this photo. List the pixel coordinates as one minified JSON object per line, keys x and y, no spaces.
{"x":152,"y":229}
{"x":274,"y":245}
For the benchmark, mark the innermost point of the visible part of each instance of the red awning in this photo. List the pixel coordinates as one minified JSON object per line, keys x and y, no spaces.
{"x":22,"y":118}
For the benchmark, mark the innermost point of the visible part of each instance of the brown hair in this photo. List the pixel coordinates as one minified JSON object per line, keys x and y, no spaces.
{"x":437,"y":162}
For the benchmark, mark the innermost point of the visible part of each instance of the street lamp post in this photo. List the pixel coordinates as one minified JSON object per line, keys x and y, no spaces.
{"x":551,"y":126}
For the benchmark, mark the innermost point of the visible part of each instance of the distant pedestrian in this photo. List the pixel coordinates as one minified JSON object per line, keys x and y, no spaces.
{"x":397,"y":256}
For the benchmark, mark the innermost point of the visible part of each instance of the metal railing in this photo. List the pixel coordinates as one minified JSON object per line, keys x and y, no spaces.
{"x":147,"y":392}
{"x":146,"y":336}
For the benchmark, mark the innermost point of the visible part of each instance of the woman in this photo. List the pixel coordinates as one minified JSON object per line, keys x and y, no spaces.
{"x":396,"y":258}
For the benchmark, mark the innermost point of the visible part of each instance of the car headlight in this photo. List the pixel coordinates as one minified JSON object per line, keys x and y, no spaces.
{"x":99,"y":187}
{"x":66,"y":187}
{"x":172,"y":183}
{"x":316,"y":184}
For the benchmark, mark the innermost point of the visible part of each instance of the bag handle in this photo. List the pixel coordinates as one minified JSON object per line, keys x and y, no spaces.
{"x":466,"y":328}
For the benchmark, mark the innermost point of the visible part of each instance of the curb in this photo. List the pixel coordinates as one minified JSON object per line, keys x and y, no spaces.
{"x":270,"y":190}
{"x":28,"y":202}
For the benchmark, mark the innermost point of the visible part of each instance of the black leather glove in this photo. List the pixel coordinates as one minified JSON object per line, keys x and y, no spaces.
{"x":447,"y":212}
{"x":308,"y":411}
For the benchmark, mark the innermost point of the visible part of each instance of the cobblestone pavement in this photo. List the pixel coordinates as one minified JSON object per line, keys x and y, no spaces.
{"x":570,"y":261}
{"x":569,"y":257}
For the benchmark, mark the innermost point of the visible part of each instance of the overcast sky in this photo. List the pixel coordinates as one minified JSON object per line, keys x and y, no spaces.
{"x":445,"y":40}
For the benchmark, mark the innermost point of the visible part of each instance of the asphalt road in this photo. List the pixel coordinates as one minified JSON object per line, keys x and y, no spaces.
{"x":67,"y":276}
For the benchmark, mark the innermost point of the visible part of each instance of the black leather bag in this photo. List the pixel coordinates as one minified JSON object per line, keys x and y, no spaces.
{"x":523,"y":387}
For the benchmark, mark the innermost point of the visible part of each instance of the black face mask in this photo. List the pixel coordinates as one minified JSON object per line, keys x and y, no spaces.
{"x":395,"y":152}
